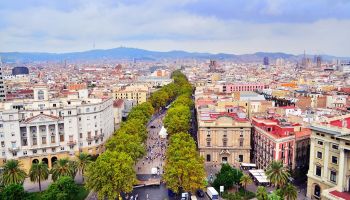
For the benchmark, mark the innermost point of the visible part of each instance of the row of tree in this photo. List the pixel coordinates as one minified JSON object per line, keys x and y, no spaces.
{"x":184,"y":167}
{"x":13,"y":175}
{"x":113,"y":171}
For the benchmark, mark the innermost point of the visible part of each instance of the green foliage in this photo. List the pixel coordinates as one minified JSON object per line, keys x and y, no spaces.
{"x":12,"y":174}
{"x":277,"y":173}
{"x":63,"y":167}
{"x":261,"y":193}
{"x":177,"y":119}
{"x":111,"y":174}
{"x":159,"y":99}
{"x":130,"y":144}
{"x":274,"y":196}
{"x":184,"y":100}
{"x":39,"y":172}
{"x":245,"y":180}
{"x":227,"y":176}
{"x":63,"y":189}
{"x":184,"y":168}
{"x":290,"y":192}
{"x":83,"y":159}
{"x":13,"y":192}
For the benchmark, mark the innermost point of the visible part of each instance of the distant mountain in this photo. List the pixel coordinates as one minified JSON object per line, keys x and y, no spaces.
{"x":141,"y":54}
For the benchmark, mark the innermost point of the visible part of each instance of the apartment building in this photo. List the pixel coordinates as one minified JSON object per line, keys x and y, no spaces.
{"x":43,"y":129}
{"x":139,"y":93}
{"x":224,"y":137}
{"x":277,"y":139}
{"x":329,"y":171}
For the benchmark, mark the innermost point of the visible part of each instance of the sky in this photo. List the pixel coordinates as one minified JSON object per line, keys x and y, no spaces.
{"x":226,"y":26}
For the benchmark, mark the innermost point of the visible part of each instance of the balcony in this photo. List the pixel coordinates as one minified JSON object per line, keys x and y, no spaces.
{"x":96,"y":137}
{"x":102,"y":135}
{"x":13,"y":149}
{"x":71,"y":143}
{"x":89,"y":138}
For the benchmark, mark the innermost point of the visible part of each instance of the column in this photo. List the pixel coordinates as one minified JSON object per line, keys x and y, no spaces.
{"x":56,"y":133}
{"x":341,"y":173}
{"x":29,"y":136}
{"x":312,"y":156}
{"x":38,"y":136}
{"x":325,"y":157}
{"x":47,"y":134}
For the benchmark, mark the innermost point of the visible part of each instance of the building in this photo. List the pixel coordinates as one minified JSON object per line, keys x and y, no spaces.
{"x":329,"y":171}
{"x":2,"y":86}
{"x":43,"y":129}
{"x":276,"y":139}
{"x":266,"y":61}
{"x":139,"y":93}
{"x":20,"y":71}
{"x":229,"y":88}
{"x":318,"y":62}
{"x":224,"y":137}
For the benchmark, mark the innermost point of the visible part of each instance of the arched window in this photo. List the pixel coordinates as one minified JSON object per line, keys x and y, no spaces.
{"x":317,"y":191}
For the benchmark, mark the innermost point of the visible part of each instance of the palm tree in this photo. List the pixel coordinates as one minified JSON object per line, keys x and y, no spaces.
{"x":39,"y":172}
{"x":261,"y":193}
{"x":63,"y":167}
{"x":245,"y":180}
{"x":83,"y":160}
{"x":277,"y":174}
{"x":290,"y":192}
{"x":13,"y":174}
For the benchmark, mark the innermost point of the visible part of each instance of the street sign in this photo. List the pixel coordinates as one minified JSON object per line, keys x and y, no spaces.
{"x":221,"y":188}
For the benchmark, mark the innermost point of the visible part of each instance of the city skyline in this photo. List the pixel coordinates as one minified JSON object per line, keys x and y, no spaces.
{"x":319,"y":27}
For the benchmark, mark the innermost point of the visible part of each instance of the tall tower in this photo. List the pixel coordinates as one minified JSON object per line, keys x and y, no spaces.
{"x":2,"y":86}
{"x":318,"y":61}
{"x":266,"y":61}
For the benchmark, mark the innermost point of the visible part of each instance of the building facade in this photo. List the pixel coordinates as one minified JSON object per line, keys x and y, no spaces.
{"x":135,"y":92}
{"x":224,"y":137}
{"x":2,"y":86}
{"x":43,"y":129}
{"x":329,"y":171}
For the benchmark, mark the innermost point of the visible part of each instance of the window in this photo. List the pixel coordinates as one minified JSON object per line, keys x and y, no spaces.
{"x":334,"y":160}
{"x":44,"y":150}
{"x":240,"y":158}
{"x":320,"y":142}
{"x":208,"y":158}
{"x":208,"y":133}
{"x":241,"y":143}
{"x":208,"y":143}
{"x":241,"y":134}
{"x":69,"y":112}
{"x":89,"y":143}
{"x":335,"y":146}
{"x":319,"y":155}
{"x":62,"y":148}
{"x":318,"y":171}
{"x":34,"y":151}
{"x":81,"y":135}
{"x":333,"y":176}
{"x":25,"y":153}
{"x":53,"y":149}
{"x":2,"y":144}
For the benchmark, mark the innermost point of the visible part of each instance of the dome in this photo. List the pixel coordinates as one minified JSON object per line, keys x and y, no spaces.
{"x":20,"y":71}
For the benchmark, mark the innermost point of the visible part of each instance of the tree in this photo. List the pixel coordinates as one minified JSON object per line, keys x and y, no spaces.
{"x":184,"y":168}
{"x":63,"y":189}
{"x":177,"y":119}
{"x":111,"y":174}
{"x":159,"y":99}
{"x":290,"y":192}
{"x":274,"y":196}
{"x":134,"y":127}
{"x":277,"y":174}
{"x":184,"y":100}
{"x":227,"y":176}
{"x":39,"y":172}
{"x":245,"y":180}
{"x":261,"y":193}
{"x":82,"y":161}
{"x":13,"y":174}
{"x":63,"y":167}
{"x":129,"y":144}
{"x":13,"y":192}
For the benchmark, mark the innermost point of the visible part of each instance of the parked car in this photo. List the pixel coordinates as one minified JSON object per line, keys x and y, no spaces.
{"x":200,"y":193}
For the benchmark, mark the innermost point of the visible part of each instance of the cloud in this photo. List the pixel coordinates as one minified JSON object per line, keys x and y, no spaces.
{"x":166,"y":25}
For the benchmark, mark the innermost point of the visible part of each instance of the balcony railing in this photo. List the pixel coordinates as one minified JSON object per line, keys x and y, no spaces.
{"x":13,"y":149}
{"x":89,"y":139}
{"x":71,"y":143}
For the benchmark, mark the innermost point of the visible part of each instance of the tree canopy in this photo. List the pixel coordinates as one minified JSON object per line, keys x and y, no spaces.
{"x":227,"y":176}
{"x":184,"y":168}
{"x":111,"y":174}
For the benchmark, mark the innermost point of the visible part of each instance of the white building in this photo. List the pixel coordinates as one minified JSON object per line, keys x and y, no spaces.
{"x":2,"y":86}
{"x":43,"y":129}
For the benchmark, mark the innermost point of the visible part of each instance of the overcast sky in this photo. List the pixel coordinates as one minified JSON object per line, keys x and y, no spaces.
{"x":229,"y":26}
